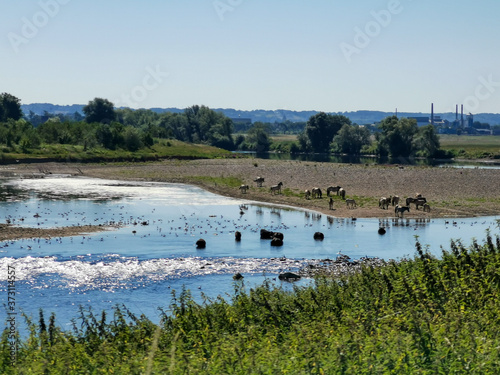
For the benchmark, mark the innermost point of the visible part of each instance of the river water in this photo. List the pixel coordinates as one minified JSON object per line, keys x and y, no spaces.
{"x":153,"y":252}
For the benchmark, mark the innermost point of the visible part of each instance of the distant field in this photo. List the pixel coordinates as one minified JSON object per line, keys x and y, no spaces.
{"x":471,"y":145}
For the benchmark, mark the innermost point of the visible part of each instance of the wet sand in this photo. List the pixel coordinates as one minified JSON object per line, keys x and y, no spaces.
{"x":450,"y":192}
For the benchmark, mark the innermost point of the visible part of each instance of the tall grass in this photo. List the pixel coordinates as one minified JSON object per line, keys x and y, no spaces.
{"x":425,"y":315}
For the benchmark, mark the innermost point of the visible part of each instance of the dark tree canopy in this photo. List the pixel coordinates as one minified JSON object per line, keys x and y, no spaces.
{"x":397,"y":136}
{"x":350,"y":139}
{"x":10,"y":107}
{"x":321,"y":128}
{"x":99,"y":110}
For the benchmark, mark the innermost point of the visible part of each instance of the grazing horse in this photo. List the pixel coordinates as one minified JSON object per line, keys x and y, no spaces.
{"x":401,"y":210}
{"x":259,"y":181}
{"x":307,"y":194}
{"x":417,"y":201}
{"x":332,"y":189}
{"x":427,"y":207}
{"x":276,"y":189}
{"x":244,"y":188}
{"x":316,"y":192}
{"x":395,"y":200}
{"x":384,"y":203}
{"x":350,"y":203}
{"x":341,"y":193}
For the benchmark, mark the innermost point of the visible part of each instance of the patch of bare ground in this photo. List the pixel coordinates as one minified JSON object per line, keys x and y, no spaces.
{"x":450,"y":192}
{"x":10,"y":232}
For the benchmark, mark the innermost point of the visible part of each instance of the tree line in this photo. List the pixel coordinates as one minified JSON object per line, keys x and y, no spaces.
{"x":102,"y":125}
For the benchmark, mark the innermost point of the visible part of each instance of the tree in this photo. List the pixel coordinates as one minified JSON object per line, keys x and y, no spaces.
{"x":427,"y":141}
{"x":258,"y":137}
{"x":99,"y":110}
{"x":350,"y":139}
{"x":396,"y":136}
{"x":321,"y":128}
{"x":10,"y":107}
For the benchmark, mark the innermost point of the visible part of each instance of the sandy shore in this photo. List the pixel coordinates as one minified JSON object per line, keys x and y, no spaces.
{"x":451,"y":192}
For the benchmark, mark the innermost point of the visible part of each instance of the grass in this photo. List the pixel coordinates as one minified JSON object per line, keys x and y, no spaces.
{"x":471,"y":146}
{"x":425,"y":315}
{"x":161,"y":150}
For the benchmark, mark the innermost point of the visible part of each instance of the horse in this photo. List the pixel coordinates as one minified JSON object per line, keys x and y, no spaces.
{"x":307,"y":194}
{"x":427,"y":207}
{"x":259,"y":181}
{"x":395,"y":200}
{"x":384,"y":203}
{"x":244,"y":188}
{"x":341,"y":193}
{"x":401,"y":210}
{"x":276,"y":189}
{"x":332,"y":189}
{"x":417,"y":201}
{"x":350,"y":203}
{"x":316,"y":192}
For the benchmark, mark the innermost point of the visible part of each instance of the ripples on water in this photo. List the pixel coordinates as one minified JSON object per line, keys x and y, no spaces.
{"x":154,"y":252}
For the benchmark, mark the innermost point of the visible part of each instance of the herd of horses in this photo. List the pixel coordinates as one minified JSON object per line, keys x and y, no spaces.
{"x":384,"y":202}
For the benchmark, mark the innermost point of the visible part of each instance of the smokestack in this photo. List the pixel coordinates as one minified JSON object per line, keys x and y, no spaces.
{"x":432,"y":113}
{"x":456,"y":112}
{"x":462,"y":115}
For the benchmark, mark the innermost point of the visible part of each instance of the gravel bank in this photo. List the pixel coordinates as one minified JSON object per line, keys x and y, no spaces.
{"x":451,"y":192}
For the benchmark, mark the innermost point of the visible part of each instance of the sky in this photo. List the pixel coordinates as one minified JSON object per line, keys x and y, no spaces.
{"x":323,"y":55}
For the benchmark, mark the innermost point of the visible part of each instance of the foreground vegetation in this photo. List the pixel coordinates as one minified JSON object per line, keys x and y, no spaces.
{"x":420,"y":316}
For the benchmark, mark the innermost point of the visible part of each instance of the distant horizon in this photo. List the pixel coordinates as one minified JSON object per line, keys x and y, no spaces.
{"x":264,"y":109}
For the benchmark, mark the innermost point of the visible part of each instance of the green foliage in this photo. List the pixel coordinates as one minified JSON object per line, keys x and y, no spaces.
{"x":99,"y":110}
{"x":425,"y":315}
{"x":257,"y":138}
{"x":10,"y":107}
{"x":351,"y":139}
{"x":396,"y":137}
{"x":321,"y":128}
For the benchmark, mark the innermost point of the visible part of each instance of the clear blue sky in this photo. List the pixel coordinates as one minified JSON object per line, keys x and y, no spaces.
{"x":328,"y":55}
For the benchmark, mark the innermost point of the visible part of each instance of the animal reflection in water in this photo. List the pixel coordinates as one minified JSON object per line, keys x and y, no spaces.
{"x":276,"y":189}
{"x":400,"y":210}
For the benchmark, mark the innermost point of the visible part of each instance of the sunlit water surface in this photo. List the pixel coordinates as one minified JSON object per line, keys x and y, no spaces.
{"x":153,"y":251}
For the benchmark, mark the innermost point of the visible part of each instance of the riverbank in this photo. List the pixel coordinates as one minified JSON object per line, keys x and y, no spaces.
{"x":10,"y":232}
{"x":451,"y":192}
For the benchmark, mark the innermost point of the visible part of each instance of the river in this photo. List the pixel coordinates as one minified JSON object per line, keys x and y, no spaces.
{"x":153,"y":252}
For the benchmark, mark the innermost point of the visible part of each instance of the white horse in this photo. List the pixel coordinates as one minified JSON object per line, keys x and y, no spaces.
{"x":401,"y":210}
{"x":244,"y":188}
{"x":276,"y":189}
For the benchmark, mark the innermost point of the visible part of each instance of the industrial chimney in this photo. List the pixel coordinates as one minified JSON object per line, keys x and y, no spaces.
{"x":432,"y":113}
